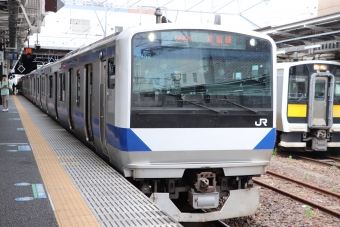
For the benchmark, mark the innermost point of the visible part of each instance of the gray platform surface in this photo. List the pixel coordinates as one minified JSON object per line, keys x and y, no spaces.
{"x":113,"y":200}
{"x":18,"y":165}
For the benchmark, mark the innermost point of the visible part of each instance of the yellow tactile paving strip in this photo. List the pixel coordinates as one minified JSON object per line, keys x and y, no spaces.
{"x":69,"y":207}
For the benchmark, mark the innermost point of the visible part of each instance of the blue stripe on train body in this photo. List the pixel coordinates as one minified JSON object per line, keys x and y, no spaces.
{"x":124,"y":139}
{"x":268,"y":142}
{"x":78,"y":118}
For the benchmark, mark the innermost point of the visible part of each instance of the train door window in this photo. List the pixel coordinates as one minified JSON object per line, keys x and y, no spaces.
{"x":60,"y":91}
{"x":34,"y":85}
{"x":78,"y":88}
{"x":50,"y":94}
{"x":111,"y":73}
{"x":38,"y":87}
{"x":42,"y":85}
{"x":320,"y":88}
{"x":62,"y":87}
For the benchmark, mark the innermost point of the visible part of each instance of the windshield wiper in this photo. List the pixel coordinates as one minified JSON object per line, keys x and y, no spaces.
{"x":196,"y":104}
{"x":255,"y":111}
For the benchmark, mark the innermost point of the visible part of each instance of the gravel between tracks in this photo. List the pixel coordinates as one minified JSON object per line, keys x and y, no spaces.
{"x":279,"y":210}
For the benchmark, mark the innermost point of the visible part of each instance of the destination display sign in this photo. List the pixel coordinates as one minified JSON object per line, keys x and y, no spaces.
{"x":203,"y":39}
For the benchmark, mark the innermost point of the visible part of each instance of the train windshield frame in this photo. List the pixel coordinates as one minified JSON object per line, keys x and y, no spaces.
{"x":201,"y":69}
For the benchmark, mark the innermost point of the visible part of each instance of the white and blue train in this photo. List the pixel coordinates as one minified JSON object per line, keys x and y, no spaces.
{"x":184,"y":111}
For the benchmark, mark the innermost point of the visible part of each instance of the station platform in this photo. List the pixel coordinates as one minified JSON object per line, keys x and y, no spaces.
{"x":49,"y":178}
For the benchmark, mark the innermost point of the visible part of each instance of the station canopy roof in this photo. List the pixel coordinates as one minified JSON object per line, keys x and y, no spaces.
{"x":315,"y":38}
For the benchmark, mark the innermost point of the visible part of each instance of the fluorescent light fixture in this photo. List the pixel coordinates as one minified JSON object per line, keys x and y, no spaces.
{"x":312,"y":46}
{"x":280,"y":52}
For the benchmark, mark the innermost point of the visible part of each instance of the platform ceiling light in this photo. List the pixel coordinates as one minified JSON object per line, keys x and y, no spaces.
{"x":151,"y":37}
{"x":312,"y":46}
{"x":280,"y":52}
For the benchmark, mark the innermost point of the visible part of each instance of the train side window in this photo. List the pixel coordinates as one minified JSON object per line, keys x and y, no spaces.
{"x":111,"y":80}
{"x":50,"y":94}
{"x":78,"y":88}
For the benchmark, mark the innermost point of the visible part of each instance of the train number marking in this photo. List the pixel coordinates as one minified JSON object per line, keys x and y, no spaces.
{"x":261,"y":121}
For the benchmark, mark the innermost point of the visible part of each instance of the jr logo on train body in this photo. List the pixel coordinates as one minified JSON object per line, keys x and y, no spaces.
{"x":261,"y":121}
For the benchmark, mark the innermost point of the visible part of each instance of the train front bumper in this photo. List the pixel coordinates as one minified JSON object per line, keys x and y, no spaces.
{"x":241,"y":202}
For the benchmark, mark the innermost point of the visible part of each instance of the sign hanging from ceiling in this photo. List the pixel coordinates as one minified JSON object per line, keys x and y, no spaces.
{"x":21,"y":68}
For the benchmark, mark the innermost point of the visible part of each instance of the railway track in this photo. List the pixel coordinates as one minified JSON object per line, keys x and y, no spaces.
{"x":298,"y":198}
{"x":323,"y":159}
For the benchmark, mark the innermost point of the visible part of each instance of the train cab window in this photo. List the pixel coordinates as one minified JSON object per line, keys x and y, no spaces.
{"x":337,"y":89}
{"x":111,"y":73}
{"x":50,"y":92}
{"x":320,"y":88}
{"x":78,"y":88}
{"x":297,"y":87}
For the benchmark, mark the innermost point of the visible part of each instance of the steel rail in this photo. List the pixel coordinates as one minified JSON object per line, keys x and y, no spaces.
{"x":330,"y":157}
{"x":299,"y":199}
{"x":317,"y":161}
{"x":303,"y":183}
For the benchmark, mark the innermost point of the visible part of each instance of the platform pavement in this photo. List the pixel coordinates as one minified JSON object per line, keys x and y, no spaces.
{"x":70,"y":172}
{"x":23,"y":201}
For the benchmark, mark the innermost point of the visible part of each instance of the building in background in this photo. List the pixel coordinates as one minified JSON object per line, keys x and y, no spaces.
{"x":328,"y":7}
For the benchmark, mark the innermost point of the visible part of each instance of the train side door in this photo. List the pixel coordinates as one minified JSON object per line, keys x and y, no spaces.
{"x":320,"y":110}
{"x":89,"y":102}
{"x":102,"y":105}
{"x":71,"y":95}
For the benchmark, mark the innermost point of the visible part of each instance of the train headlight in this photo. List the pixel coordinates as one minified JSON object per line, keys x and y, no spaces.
{"x":151,"y":37}
{"x":320,"y":67}
{"x":252,"y":42}
{"x":176,"y":76}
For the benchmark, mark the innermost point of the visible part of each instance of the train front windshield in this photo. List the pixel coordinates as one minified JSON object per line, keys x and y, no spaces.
{"x":299,"y":80}
{"x":191,"y":69}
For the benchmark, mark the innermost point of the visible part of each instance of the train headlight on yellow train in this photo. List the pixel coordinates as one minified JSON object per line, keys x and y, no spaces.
{"x":320,"y":67}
